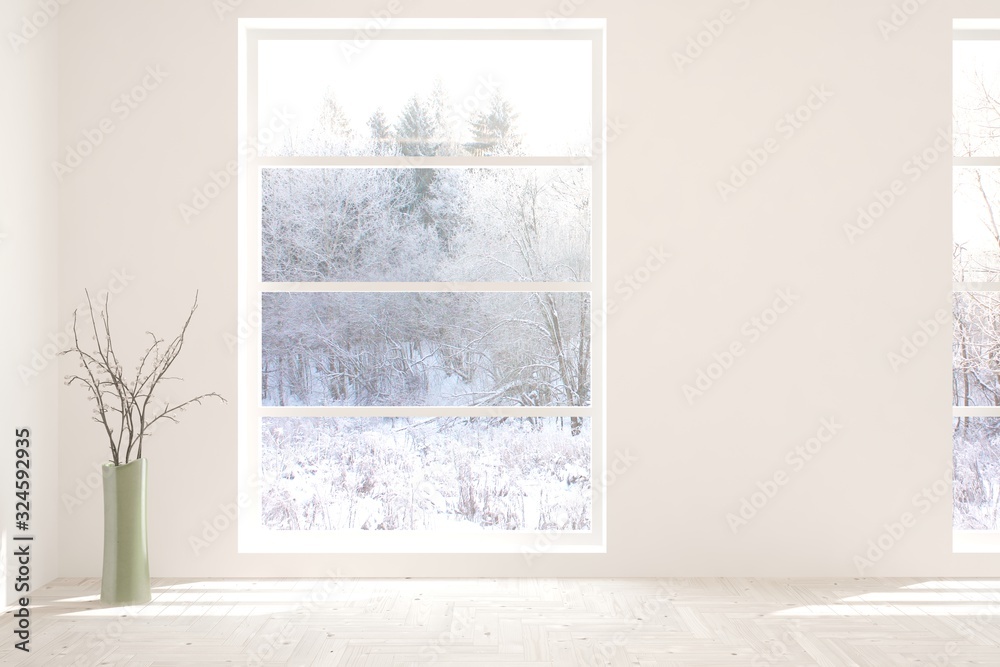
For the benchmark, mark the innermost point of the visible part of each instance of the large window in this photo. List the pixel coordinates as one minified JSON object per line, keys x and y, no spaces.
{"x":976,"y":269}
{"x":422,"y":221}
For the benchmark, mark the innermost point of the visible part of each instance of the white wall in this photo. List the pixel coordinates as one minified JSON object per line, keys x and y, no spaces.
{"x":28,"y":272}
{"x":824,"y":358}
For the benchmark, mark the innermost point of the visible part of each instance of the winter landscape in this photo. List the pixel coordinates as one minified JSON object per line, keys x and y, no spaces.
{"x":414,"y":225}
{"x":505,"y":319}
{"x":480,"y":473}
{"x":976,"y":309}
{"x":524,"y":349}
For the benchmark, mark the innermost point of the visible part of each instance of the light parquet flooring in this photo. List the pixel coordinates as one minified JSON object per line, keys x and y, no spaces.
{"x":518,"y":623}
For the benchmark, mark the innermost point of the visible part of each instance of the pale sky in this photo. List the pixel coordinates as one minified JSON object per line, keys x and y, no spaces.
{"x":971,"y":57}
{"x":968,"y":210}
{"x":549,"y":82}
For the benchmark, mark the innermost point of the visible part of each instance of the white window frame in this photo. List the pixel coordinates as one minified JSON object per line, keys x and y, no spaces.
{"x":253,"y":537}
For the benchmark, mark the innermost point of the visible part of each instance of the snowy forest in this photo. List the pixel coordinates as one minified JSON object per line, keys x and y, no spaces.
{"x":415,"y":225}
{"x":523,"y":349}
{"x":976,"y":255}
{"x":459,"y":346}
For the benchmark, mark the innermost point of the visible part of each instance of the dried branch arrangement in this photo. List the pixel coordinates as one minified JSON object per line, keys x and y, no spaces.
{"x":125,"y":407}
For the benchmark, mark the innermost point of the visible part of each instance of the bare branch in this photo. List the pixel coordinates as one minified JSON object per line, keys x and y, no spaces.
{"x":129,"y":399}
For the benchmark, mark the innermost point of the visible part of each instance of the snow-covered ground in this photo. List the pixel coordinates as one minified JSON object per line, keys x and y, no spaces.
{"x":425,"y":474}
{"x":977,"y":473}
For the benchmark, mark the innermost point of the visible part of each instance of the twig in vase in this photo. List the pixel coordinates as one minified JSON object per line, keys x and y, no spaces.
{"x":104,"y":378}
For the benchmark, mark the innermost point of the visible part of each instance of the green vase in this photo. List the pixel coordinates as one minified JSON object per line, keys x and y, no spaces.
{"x":125,"y":578}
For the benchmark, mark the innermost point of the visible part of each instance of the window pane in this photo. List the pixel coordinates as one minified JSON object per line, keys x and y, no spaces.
{"x":976,"y":349}
{"x":977,"y":98}
{"x":410,"y":225}
{"x":436,"y":348}
{"x":426,"y":97}
{"x":426,"y":474}
{"x":976,"y":231}
{"x":977,"y":473}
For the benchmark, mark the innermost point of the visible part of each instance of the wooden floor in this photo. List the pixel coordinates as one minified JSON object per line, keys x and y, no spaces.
{"x":518,"y":623}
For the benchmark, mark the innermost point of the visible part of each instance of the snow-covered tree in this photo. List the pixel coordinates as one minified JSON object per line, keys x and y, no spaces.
{"x":494,"y":130}
{"x":379,"y":126}
{"x":417,"y":130}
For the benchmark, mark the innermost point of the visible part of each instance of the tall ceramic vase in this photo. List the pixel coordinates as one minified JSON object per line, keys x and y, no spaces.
{"x":125,"y":578}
